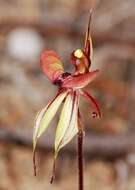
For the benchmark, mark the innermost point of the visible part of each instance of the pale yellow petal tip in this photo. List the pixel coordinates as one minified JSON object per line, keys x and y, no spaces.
{"x":78,"y":53}
{"x":56,"y":154}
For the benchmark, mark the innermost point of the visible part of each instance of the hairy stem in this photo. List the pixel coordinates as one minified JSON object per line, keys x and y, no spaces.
{"x":80,"y":160}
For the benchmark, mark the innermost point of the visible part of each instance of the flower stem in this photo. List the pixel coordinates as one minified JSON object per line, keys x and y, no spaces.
{"x":80,"y":160}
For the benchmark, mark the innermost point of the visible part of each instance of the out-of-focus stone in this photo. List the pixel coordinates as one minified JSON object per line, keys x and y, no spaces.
{"x":24,"y":44}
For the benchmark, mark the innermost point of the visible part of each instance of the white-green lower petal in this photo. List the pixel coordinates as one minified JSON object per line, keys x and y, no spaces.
{"x":45,"y":116}
{"x":67,"y":127}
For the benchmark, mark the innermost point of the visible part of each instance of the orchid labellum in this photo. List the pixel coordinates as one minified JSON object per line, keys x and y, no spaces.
{"x":70,"y":89}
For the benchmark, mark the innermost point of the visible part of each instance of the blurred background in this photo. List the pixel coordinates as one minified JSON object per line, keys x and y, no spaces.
{"x":26,"y":28}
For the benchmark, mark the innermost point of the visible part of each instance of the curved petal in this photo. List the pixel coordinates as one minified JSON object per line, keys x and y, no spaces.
{"x":43,"y":120}
{"x":92,"y":101}
{"x":67,"y":126}
{"x":72,"y":130}
{"x":45,"y":116}
{"x":51,"y":65}
{"x":80,"y":80}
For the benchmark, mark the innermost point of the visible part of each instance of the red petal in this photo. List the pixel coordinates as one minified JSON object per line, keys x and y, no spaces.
{"x":51,"y":65}
{"x":80,"y":80}
{"x":92,"y":101}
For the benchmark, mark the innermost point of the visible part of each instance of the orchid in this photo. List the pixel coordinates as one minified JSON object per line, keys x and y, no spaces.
{"x":70,"y":89}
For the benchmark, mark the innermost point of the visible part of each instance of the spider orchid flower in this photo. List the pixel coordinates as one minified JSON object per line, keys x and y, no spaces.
{"x":70,"y":89}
